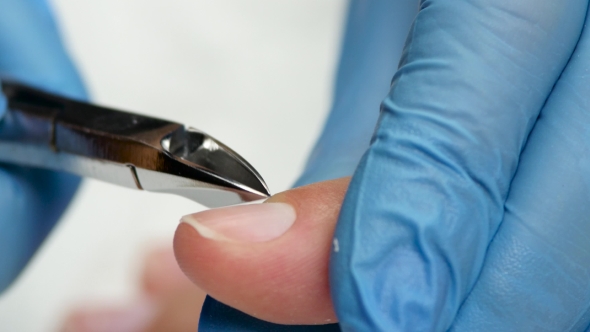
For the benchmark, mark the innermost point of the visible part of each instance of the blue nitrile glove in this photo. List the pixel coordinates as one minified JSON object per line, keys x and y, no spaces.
{"x":536,"y":275}
{"x":31,"y":200}
{"x":430,"y":194}
{"x":415,"y":232}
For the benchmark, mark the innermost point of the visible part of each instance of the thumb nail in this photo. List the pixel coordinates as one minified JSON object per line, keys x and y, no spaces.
{"x":243,"y":223}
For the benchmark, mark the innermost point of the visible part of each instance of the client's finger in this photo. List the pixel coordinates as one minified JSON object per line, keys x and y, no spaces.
{"x":170,"y":302}
{"x":268,"y":260}
{"x":160,"y":275}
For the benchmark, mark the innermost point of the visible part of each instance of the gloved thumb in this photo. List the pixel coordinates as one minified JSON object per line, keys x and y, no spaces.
{"x":268,"y":260}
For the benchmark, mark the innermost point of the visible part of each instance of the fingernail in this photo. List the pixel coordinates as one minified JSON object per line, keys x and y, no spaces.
{"x":243,"y":223}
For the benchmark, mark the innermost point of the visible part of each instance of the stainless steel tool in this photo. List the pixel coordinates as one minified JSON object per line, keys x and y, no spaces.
{"x":49,"y":131}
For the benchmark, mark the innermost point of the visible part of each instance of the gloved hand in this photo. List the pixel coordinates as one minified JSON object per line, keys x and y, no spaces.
{"x":485,"y":88}
{"x":468,"y":211}
{"x":31,"y":200}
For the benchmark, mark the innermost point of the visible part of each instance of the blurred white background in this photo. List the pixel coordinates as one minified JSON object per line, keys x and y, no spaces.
{"x":256,"y":74}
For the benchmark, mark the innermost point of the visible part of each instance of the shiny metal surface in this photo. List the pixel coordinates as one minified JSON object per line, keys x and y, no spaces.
{"x":135,"y":151}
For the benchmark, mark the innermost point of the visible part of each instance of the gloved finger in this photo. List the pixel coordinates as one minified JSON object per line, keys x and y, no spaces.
{"x":372,"y":45}
{"x":32,"y":51}
{"x":268,"y":260}
{"x":429,"y":193}
{"x":31,"y":200}
{"x":536,"y":271}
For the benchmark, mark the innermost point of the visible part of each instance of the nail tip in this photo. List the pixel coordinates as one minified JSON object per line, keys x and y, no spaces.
{"x":203,"y":230}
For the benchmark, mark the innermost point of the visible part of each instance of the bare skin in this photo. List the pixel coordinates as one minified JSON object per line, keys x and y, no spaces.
{"x":284,"y":280}
{"x":168,"y":302}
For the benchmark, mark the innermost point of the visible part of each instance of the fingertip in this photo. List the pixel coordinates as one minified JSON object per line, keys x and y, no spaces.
{"x":283,"y":280}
